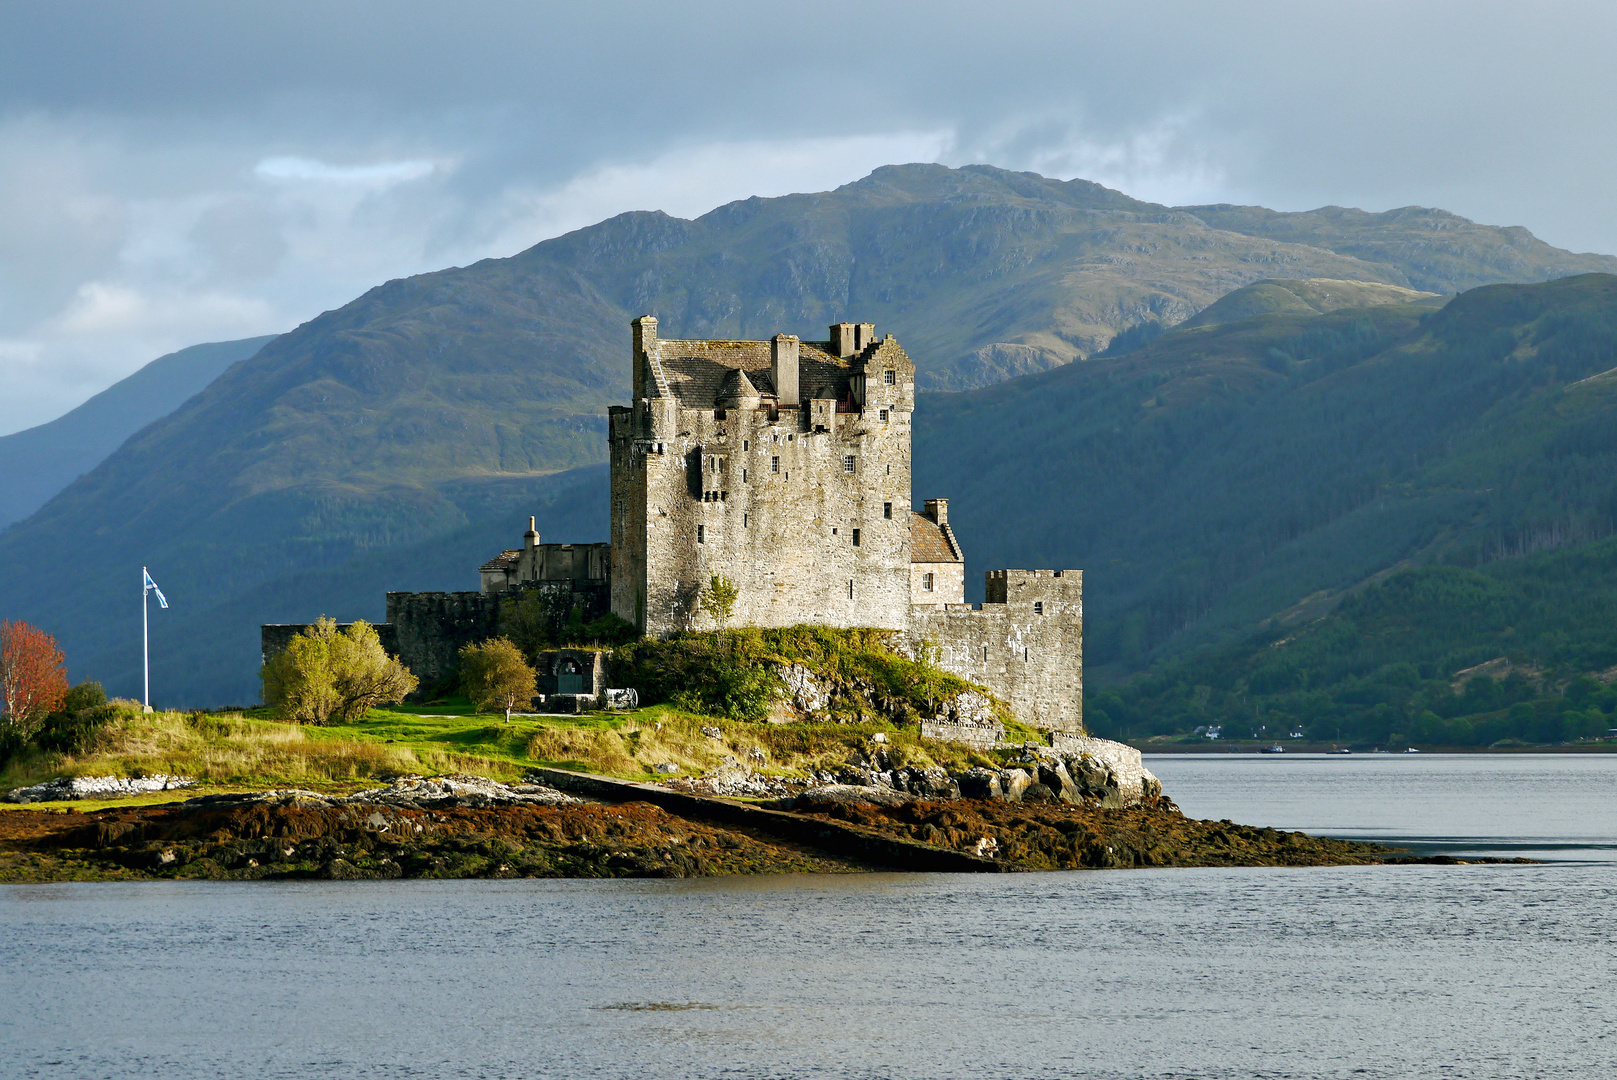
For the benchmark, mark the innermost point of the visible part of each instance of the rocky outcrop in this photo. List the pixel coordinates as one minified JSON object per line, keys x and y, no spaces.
{"x":96,"y":787}
{"x":1082,"y":771}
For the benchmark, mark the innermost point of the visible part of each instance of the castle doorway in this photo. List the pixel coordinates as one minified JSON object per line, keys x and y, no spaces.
{"x":569,"y":677}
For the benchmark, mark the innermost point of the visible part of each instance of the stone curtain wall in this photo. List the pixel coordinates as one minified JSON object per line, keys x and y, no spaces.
{"x":1026,"y":644}
{"x":431,"y":627}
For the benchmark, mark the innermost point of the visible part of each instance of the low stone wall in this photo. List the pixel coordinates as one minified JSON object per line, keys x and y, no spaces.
{"x":982,"y":736}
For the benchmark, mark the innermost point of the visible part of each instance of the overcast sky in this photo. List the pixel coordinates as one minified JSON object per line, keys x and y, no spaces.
{"x":172,"y":173}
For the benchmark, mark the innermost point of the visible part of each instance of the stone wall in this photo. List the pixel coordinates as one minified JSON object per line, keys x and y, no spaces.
{"x":431,"y":627}
{"x":982,"y":736}
{"x":1025,"y":644}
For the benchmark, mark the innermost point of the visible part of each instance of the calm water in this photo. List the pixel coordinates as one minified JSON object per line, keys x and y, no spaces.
{"x":1540,"y":806}
{"x":1364,"y":972}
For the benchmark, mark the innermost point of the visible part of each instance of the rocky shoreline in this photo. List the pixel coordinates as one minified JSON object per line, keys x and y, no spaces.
{"x":471,"y":827}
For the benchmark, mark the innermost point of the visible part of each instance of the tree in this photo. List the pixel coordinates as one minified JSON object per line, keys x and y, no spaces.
{"x":326,"y":673}
{"x":720,"y":598}
{"x":496,"y":676}
{"x":33,"y":681}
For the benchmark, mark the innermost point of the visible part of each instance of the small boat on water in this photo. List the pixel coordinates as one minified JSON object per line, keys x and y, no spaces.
{"x":1338,"y":750}
{"x":1412,"y":750}
{"x":1275,"y":749}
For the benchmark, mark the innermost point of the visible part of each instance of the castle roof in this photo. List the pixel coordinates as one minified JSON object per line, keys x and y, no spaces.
{"x":931,"y":542}
{"x":698,"y":372}
{"x":505,"y":560}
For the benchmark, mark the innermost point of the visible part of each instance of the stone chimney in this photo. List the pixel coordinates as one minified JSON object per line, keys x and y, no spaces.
{"x":530,"y":539}
{"x":645,"y":343}
{"x":843,"y":339}
{"x":784,"y":361}
{"x":938,"y":510}
{"x":864,"y":336}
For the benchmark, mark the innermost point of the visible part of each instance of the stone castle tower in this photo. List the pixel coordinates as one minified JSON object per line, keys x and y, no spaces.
{"x":783,"y":466}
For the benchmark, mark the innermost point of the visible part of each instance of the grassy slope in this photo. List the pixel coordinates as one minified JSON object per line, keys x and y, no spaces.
{"x":254,"y":751}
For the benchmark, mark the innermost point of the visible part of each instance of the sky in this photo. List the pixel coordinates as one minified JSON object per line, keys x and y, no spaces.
{"x":180,"y":172}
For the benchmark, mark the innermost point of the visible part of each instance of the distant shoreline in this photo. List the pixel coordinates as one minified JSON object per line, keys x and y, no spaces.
{"x":1318,"y":748}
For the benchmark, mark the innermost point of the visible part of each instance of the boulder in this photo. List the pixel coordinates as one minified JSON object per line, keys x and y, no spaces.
{"x":980,"y":783}
{"x":1013,"y":782}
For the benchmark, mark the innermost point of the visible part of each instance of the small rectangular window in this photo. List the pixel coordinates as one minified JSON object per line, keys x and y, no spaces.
{"x":745,"y":445}
{"x":847,"y":463}
{"x":883,"y":415}
{"x":850,"y":588}
{"x":743,"y":521}
{"x":890,"y":378}
{"x":887,"y":510}
{"x":833,"y":530}
{"x":856,"y":538}
{"x":743,"y":476}
{"x":774,"y":464}
{"x":926,"y":582}
{"x":701,"y":534}
{"x":1038,"y":607}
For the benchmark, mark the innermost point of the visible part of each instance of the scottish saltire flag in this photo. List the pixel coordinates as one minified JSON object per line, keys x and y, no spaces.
{"x":152,"y":585}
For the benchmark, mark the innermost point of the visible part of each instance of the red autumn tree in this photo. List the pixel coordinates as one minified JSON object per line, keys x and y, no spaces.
{"x":32,"y":678}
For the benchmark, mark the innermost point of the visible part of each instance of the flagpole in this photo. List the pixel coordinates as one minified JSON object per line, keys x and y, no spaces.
{"x":145,"y":653}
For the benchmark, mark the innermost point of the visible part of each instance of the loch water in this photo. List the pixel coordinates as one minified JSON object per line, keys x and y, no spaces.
{"x":1385,"y":971}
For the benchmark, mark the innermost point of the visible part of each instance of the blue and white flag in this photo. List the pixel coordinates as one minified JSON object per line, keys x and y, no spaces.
{"x":152,"y":586}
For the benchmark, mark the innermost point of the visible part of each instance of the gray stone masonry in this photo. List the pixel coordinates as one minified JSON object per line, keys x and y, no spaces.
{"x":1026,"y":643}
{"x":801,"y":501}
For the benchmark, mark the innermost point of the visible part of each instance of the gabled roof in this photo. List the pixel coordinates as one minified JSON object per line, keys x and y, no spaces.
{"x":931,"y":542}
{"x":505,"y":560}
{"x":699,"y":372}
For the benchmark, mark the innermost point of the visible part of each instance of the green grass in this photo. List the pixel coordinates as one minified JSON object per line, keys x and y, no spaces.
{"x":253,"y":750}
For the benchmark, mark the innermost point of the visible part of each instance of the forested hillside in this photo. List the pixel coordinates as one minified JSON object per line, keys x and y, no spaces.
{"x":1393,"y":494}
{"x":431,"y":406}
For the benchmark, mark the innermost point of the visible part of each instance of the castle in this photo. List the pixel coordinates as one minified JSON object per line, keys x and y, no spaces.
{"x":782,"y":466}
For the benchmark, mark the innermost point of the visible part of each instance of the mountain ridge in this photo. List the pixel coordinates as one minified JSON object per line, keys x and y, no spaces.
{"x":387,"y":422}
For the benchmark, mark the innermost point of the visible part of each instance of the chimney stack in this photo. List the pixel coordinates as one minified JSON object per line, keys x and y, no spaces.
{"x":530,"y":539}
{"x":842,"y":339}
{"x":784,"y":361}
{"x":938,"y":510}
{"x":645,"y":344}
{"x":864,"y":336}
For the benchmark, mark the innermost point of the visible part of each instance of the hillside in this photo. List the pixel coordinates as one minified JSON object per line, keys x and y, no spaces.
{"x":1223,"y":474}
{"x":450,"y":405}
{"x":40,"y":461}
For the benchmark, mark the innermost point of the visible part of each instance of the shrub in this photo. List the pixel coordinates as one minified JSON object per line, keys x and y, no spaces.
{"x":325,"y":673}
{"x":495,"y":676}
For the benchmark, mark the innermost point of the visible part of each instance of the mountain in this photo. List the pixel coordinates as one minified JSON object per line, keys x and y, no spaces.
{"x":438,"y":404}
{"x":40,"y":461}
{"x":1394,"y":484}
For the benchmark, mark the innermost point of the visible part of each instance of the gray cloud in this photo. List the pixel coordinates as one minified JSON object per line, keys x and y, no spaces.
{"x":174,"y":172}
